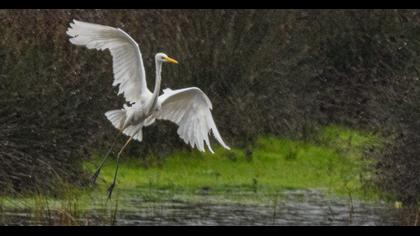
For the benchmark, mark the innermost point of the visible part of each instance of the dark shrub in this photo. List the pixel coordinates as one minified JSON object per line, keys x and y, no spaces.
{"x":279,"y":72}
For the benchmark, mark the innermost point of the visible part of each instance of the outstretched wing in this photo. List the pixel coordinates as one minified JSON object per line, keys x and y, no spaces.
{"x":128,"y":65}
{"x":190,"y":109}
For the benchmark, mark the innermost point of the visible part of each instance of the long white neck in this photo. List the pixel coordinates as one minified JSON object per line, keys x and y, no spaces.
{"x":158,"y":79}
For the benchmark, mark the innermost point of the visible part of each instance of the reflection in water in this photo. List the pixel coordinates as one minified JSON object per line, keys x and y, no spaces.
{"x":297,"y":207}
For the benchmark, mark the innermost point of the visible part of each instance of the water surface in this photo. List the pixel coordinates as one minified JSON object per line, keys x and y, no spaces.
{"x":293,"y":207}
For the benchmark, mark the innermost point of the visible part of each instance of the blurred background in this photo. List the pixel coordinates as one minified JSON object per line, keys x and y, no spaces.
{"x":284,"y":73}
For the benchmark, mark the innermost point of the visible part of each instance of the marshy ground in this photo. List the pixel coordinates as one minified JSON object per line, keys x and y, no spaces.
{"x":321,"y":181}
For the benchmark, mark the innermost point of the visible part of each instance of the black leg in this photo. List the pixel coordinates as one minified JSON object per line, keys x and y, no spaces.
{"x":96,"y":174}
{"x":111,"y":188}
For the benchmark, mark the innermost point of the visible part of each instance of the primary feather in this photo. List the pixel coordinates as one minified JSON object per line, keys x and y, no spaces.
{"x":128,"y":66}
{"x":190,"y":109}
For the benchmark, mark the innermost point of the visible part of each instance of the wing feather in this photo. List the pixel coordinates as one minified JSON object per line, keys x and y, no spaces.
{"x":127,"y":65}
{"x":190,"y":109}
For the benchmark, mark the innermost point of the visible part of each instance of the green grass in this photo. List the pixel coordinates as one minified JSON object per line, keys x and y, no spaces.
{"x":332,"y":162}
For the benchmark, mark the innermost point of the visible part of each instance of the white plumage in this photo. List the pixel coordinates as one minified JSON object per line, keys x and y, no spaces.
{"x":189,"y":108}
{"x":127,"y":61}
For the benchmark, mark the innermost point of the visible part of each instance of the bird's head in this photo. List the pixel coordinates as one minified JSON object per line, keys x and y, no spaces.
{"x":164,"y":58}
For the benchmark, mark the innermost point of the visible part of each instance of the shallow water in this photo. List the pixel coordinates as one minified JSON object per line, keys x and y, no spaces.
{"x":296,"y":207}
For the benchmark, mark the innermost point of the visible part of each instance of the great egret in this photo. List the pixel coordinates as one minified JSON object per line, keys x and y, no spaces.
{"x":189,"y":108}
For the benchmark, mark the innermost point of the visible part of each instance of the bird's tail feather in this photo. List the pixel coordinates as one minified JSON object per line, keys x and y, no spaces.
{"x":116,"y":117}
{"x":135,"y":131}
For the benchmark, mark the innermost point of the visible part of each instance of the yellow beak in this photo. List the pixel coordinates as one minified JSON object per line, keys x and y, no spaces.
{"x":170,"y":60}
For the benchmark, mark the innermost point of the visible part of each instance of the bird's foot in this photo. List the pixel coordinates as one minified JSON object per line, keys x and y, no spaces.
{"x":95,"y":176}
{"x":110,"y":189}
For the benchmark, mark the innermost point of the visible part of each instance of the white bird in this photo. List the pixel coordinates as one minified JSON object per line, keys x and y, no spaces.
{"x":189,"y":108}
